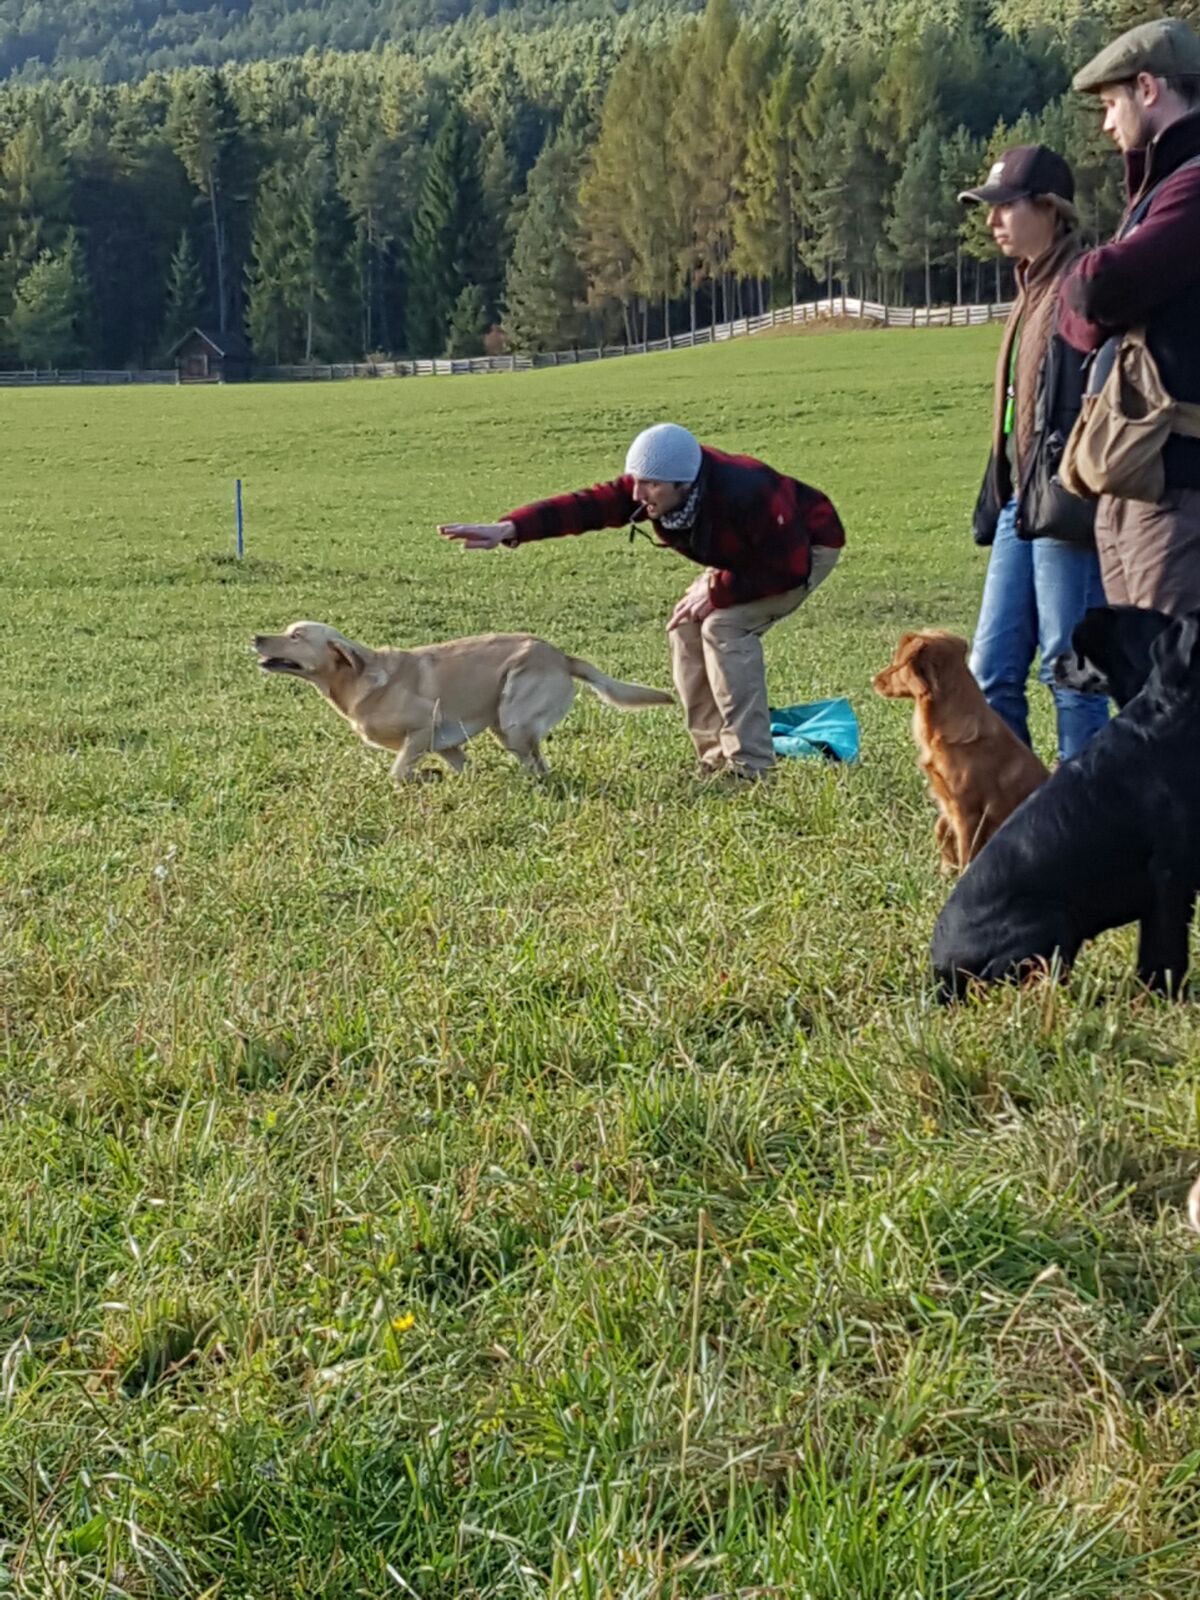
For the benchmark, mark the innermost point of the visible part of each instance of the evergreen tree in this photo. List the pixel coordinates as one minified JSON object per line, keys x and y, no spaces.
{"x":962,"y":155}
{"x":830,"y":200}
{"x":705,"y":143}
{"x":743,"y":88}
{"x":818,"y":169}
{"x":606,"y":199}
{"x":904,"y":85}
{"x":35,"y":199}
{"x":297,"y":303}
{"x":446,"y":245}
{"x":377,"y":154}
{"x":765,"y":223}
{"x":545,"y":289}
{"x":185,"y":291}
{"x":127,"y":225}
{"x":47,"y":323}
{"x":922,"y":226}
{"x":324,"y":241}
{"x":468,"y":322}
{"x":203,"y":130}
{"x":275,"y":275}
{"x":977,"y":241}
{"x":1070,"y":126}
{"x":363,"y":168}
{"x":655,"y":233}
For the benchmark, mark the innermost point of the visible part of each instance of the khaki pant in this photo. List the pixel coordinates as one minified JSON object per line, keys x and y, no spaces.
{"x":1150,"y":554}
{"x":721,"y":679}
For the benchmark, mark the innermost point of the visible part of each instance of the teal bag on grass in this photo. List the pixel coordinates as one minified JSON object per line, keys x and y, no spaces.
{"x":826,"y":728}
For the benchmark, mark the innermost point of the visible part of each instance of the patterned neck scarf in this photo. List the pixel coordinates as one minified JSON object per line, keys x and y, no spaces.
{"x":683,"y":516}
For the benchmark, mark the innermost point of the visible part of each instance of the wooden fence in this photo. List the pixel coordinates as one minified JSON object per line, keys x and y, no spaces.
{"x":32,"y":378}
{"x":783,"y":316}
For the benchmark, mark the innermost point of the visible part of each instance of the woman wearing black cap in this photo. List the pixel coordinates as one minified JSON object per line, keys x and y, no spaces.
{"x":1043,"y":572}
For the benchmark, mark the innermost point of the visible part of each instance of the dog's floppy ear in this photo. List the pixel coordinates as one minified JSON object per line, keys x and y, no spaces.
{"x":1176,"y":652}
{"x":908,"y":666}
{"x":897,"y":681}
{"x":921,"y":665}
{"x":932,"y":660}
{"x":945,"y":670}
{"x":344,"y":652}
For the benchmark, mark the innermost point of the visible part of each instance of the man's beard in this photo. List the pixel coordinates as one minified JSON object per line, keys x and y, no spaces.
{"x":1143,"y":134}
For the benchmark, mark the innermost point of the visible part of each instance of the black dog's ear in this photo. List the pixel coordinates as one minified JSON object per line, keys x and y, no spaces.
{"x":1092,"y":631}
{"x":1095,"y":616}
{"x":1176,"y":652}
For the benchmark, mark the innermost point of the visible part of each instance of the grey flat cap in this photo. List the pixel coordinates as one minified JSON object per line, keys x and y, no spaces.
{"x":1167,"y":48}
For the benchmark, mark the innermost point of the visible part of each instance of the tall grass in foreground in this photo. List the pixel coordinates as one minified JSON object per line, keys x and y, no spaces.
{"x":510,"y":1190}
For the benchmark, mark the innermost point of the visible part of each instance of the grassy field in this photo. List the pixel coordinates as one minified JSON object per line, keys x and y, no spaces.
{"x":509,"y":1190}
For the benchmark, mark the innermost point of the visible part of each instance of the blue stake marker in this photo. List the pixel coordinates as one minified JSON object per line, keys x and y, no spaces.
{"x":240,"y":544}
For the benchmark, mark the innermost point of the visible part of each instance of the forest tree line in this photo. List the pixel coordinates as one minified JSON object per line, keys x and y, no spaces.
{"x":110,"y":41}
{"x":532,"y":187}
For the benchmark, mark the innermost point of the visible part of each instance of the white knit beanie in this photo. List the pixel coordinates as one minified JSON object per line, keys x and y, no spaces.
{"x":666,"y":453}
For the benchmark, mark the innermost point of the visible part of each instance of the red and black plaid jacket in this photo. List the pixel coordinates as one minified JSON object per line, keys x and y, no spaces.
{"x":754,"y":527}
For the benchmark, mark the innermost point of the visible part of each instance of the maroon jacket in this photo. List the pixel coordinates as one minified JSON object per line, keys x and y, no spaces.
{"x":754,"y":526}
{"x":1152,"y":279}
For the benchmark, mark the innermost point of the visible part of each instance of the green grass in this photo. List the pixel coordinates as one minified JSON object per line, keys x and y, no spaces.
{"x":495,"y":1189}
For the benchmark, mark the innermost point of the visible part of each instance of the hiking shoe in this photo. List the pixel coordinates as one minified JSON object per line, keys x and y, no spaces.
{"x":745,"y":776}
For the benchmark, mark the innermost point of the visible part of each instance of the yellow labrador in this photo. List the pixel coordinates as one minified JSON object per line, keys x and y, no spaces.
{"x":436,"y":697}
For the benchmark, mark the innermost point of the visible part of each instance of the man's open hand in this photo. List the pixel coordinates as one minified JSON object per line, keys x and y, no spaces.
{"x":477,"y":535}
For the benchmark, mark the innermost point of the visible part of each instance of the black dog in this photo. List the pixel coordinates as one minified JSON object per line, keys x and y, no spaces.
{"x":1112,"y":837}
{"x":1111,"y":653}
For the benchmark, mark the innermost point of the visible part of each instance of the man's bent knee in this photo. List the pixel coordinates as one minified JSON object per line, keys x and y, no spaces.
{"x":723,"y":632}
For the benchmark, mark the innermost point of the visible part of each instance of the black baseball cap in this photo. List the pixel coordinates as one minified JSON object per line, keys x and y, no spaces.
{"x":1021,"y":174}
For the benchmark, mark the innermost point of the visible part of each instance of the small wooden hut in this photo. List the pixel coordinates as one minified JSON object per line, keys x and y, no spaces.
{"x":204,"y":356}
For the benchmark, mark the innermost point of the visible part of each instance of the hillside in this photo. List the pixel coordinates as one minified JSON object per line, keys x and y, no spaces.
{"x":112,"y":40}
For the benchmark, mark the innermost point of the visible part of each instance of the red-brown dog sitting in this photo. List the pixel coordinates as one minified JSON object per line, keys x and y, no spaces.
{"x":978,"y":770}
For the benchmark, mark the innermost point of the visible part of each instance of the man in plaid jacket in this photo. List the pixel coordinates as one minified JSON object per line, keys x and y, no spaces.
{"x":765,"y":541}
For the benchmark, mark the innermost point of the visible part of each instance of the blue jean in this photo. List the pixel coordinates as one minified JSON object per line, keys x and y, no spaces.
{"x":1035,"y":591}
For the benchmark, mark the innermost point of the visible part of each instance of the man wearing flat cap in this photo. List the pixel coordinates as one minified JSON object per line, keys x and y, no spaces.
{"x":1148,"y":81}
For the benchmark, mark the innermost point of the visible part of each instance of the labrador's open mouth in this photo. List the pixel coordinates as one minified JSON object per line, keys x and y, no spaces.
{"x":279,"y":664}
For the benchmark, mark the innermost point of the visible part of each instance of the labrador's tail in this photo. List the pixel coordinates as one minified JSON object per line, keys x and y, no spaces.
{"x":627,"y":696}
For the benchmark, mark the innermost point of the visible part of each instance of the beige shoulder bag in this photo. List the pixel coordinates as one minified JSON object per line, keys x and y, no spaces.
{"x":1117,"y":442}
{"x":1116,"y":445}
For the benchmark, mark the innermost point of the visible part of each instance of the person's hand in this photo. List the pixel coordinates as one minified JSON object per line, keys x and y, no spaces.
{"x":478,"y":535}
{"x":694,"y":607}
